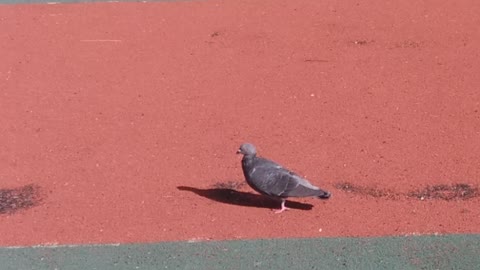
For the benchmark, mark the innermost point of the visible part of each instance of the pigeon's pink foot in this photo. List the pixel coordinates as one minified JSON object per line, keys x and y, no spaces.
{"x":281,"y":209}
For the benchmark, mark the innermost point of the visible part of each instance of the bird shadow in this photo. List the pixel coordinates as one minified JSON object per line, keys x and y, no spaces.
{"x":235,"y":197}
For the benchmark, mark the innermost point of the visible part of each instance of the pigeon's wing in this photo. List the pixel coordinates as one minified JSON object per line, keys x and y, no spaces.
{"x":272,"y":179}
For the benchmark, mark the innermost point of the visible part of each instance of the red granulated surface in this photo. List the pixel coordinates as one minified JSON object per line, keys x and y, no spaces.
{"x":115,"y":113}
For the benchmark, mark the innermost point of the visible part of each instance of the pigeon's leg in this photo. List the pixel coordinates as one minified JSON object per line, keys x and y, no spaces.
{"x":283,"y":207}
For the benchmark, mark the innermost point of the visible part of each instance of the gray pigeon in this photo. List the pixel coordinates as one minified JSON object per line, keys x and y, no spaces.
{"x":271,"y":179}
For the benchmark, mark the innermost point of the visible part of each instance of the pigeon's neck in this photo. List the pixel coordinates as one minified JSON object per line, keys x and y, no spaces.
{"x":247,"y":159}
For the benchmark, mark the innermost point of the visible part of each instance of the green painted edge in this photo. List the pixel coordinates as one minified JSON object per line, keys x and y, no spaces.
{"x":459,"y":251}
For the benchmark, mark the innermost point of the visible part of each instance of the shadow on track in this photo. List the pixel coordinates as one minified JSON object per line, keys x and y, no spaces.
{"x":234,"y":197}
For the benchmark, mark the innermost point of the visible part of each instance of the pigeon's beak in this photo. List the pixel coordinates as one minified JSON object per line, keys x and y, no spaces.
{"x":239,"y":151}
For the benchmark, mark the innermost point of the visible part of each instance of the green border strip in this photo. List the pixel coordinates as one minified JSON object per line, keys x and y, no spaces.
{"x":412,"y":252}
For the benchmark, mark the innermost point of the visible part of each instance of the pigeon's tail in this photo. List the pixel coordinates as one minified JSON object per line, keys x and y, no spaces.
{"x":324,"y":194}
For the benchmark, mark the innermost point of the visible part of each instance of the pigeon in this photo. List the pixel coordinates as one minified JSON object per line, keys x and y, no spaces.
{"x":272,"y":179}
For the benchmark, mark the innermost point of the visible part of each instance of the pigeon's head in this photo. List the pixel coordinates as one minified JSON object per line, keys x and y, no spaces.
{"x":247,"y":149}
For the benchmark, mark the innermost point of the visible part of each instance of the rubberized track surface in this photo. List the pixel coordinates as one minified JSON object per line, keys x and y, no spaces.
{"x":120,"y":120}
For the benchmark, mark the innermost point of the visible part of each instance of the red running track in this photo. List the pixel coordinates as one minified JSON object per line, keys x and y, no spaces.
{"x":107,"y":108}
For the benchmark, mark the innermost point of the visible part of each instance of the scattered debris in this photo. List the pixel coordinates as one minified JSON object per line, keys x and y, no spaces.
{"x":446,"y":192}
{"x":229,"y":185}
{"x":458,"y":191}
{"x":12,"y":200}
{"x":363,"y":190}
{"x":362,"y":42}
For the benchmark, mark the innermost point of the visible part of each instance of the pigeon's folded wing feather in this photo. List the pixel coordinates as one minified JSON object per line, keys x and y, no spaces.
{"x":274,"y":180}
